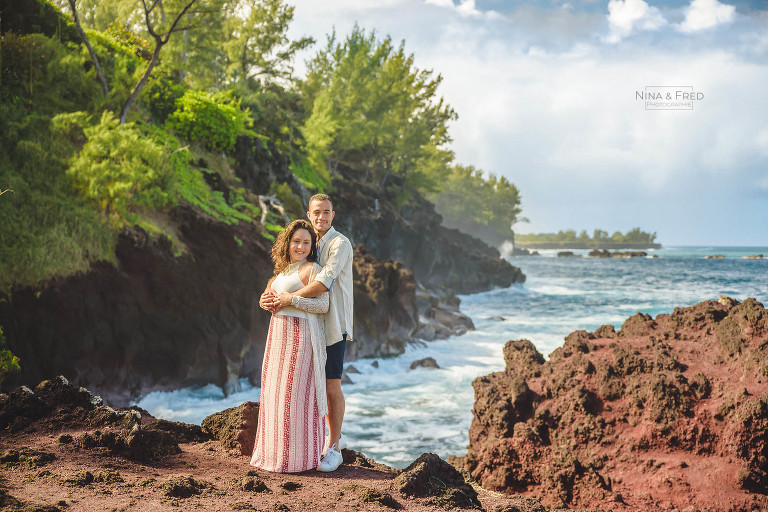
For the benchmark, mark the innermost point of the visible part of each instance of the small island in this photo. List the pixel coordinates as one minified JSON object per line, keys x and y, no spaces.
{"x":635,"y":239}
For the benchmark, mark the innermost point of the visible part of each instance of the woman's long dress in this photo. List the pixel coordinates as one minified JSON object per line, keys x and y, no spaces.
{"x":291,"y":431}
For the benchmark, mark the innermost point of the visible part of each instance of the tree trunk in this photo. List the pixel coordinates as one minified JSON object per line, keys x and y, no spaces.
{"x":137,"y":88}
{"x":95,"y":60}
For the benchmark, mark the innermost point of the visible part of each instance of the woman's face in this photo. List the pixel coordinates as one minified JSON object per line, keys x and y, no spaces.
{"x":300,"y":245}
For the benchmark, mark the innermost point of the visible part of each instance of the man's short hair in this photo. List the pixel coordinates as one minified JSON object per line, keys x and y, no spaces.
{"x":321,"y":197}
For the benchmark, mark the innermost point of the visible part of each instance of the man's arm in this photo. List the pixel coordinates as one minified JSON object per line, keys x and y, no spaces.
{"x":338,"y":256}
{"x":310,"y":291}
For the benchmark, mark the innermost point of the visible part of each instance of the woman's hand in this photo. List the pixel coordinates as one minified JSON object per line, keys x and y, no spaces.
{"x":268,"y":300}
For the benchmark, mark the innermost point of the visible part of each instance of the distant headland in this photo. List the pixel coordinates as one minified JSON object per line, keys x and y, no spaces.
{"x":569,"y":239}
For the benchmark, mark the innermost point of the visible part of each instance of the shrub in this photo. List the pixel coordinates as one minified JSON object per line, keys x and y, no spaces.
{"x":122,"y":34}
{"x":308,"y":175}
{"x":9,"y":363}
{"x":215,"y":120}
{"x":161,"y":95}
{"x":118,"y":168}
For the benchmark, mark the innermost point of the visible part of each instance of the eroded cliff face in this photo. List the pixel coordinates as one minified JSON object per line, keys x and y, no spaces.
{"x":667,"y":413}
{"x":154,"y":321}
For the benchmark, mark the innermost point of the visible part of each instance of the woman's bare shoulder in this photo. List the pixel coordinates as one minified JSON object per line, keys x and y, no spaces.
{"x":304,"y":271}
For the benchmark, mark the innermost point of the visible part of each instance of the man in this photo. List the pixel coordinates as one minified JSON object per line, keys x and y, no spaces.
{"x":334,"y":253}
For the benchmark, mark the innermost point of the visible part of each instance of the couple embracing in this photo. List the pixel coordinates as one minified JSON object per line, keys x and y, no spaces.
{"x":310,"y":298}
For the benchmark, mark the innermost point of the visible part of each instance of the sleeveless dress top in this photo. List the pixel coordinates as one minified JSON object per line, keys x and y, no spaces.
{"x":289,"y":281}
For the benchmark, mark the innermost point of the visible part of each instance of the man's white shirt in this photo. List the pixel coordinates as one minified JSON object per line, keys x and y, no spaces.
{"x":334,"y":253}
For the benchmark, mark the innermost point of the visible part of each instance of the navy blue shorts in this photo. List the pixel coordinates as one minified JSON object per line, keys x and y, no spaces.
{"x":334,"y":365}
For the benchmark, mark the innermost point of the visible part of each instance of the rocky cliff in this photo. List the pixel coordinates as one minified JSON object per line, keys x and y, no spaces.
{"x":667,"y":413}
{"x":160,"y":318}
{"x":155,"y":320}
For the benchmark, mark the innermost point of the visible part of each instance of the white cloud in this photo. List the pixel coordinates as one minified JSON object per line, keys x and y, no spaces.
{"x":704,"y":14}
{"x":628,"y":16}
{"x":465,"y":8}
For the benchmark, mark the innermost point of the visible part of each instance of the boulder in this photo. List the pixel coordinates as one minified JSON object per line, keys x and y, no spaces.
{"x":432,"y":477}
{"x":235,"y":428}
{"x":427,"y":362}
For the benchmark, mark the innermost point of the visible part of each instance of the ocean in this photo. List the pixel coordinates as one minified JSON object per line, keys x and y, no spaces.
{"x":394,"y":414}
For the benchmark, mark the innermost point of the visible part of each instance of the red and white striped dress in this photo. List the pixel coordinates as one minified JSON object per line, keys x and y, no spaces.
{"x":291,"y":432}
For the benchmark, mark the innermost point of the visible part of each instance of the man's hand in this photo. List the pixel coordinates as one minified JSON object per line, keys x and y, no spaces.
{"x":283,"y":300}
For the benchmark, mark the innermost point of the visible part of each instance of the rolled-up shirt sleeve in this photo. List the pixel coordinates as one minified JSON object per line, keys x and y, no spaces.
{"x":338,"y":255}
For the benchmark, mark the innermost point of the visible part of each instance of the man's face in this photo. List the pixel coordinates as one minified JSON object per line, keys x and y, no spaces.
{"x":321,"y":214}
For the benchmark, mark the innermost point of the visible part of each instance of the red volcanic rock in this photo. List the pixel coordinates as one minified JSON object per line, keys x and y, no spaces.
{"x":667,"y":413}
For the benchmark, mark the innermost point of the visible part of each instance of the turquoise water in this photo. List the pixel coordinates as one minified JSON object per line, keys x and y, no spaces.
{"x":395,"y":414}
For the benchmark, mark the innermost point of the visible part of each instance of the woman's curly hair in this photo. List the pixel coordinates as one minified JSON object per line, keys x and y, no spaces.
{"x":281,"y":255}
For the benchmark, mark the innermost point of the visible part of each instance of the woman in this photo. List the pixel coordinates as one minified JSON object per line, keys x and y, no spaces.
{"x":291,"y":432}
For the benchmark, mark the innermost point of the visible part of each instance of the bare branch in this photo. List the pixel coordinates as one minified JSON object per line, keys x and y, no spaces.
{"x":147,"y":12}
{"x":6,"y":190}
{"x":178,"y":18}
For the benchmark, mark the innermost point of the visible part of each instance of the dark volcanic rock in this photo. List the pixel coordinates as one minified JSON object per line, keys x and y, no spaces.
{"x":154,"y":320}
{"x":168,"y":314}
{"x":430,"y":476}
{"x":57,"y":405}
{"x":235,"y":428}
{"x":385,"y":306}
{"x":32,"y":458}
{"x":415,"y":236}
{"x":10,"y":504}
{"x":427,"y":362}
{"x":670,"y":411}
{"x":368,"y":495}
{"x":185,"y":487}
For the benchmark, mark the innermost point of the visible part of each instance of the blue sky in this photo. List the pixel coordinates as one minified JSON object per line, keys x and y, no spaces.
{"x":548,"y":95}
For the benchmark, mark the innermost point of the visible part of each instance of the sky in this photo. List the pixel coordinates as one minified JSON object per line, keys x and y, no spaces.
{"x":566,"y":98}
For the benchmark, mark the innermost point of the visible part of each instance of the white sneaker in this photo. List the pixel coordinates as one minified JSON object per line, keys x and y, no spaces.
{"x":331,"y":460}
{"x":342,"y":443}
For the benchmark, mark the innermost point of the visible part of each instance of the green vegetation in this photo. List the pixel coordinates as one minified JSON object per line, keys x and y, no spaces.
{"x":633,"y":238}
{"x":113,"y":112}
{"x":78,"y":175}
{"x":215,"y":120}
{"x":470,"y":202}
{"x":373,"y":110}
{"x":9,"y":363}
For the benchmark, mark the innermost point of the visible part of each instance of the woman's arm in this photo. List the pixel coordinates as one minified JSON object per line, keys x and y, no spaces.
{"x":268,"y":299}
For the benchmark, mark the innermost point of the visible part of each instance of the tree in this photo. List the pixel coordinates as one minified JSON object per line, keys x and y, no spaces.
{"x":161,"y":39}
{"x":373,"y":109}
{"x":486,"y":207}
{"x":256,"y":45}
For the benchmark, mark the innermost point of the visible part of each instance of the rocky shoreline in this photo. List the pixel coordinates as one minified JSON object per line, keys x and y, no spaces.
{"x":667,"y":413}
{"x":62,"y":449}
